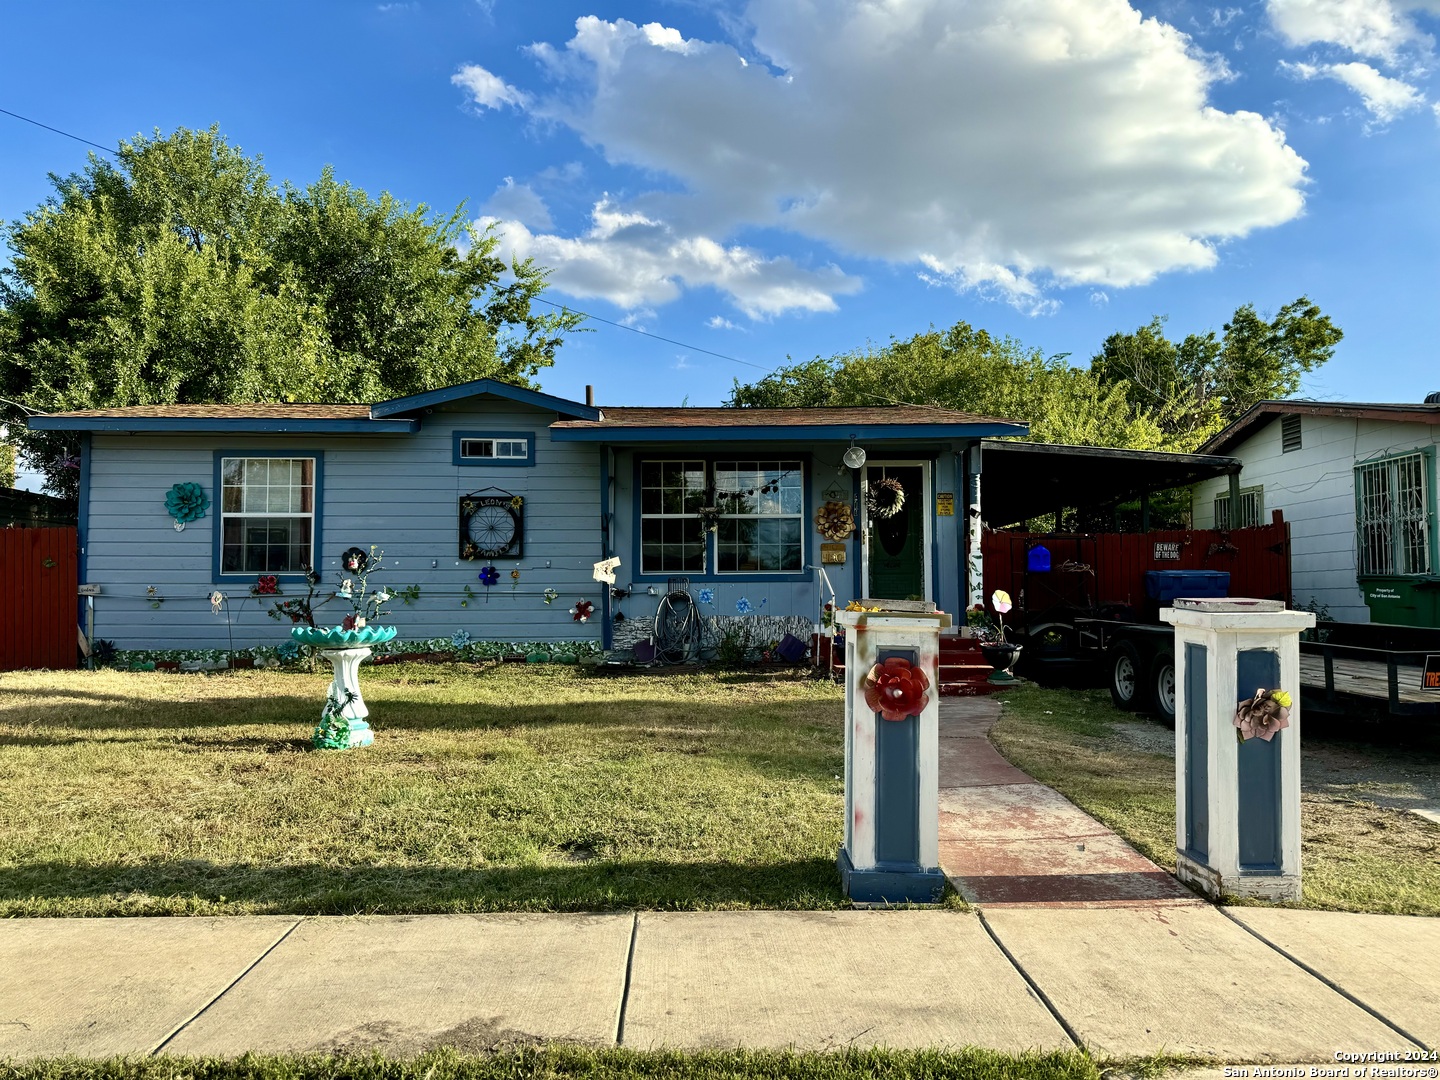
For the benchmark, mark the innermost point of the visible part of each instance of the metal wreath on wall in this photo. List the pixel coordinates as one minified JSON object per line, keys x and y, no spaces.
{"x":492,"y":525}
{"x":185,"y":503}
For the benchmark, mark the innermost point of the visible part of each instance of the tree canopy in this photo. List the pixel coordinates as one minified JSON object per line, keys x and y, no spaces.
{"x":969,"y":370}
{"x":1195,"y":387}
{"x":1140,"y":392}
{"x":181,"y":273}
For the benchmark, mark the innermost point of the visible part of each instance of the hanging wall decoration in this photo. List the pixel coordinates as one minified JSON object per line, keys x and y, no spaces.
{"x":355,"y":560}
{"x":835,"y":520}
{"x":582,"y":611}
{"x":492,"y":526}
{"x":885,"y":498}
{"x":186,"y":503}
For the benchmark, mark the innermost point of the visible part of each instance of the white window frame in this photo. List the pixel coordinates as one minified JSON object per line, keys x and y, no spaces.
{"x":685,"y":467}
{"x":758,"y":465}
{"x":515,"y":449}
{"x":243,"y":515}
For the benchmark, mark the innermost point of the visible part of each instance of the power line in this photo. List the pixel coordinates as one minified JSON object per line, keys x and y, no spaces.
{"x":57,"y":131}
{"x":657,"y":337}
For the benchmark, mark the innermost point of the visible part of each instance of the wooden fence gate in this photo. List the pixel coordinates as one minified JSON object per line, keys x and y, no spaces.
{"x":39,"y":571}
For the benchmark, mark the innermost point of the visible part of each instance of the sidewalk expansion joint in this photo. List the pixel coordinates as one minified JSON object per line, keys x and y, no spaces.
{"x":629,"y":970}
{"x":230,"y":986}
{"x":1327,"y":981}
{"x":1031,"y":983}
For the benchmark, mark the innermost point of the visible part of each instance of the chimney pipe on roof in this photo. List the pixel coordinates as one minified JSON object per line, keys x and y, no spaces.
{"x":589,"y":395}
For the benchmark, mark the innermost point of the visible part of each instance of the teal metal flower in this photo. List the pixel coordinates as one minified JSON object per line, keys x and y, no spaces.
{"x":187,"y":502}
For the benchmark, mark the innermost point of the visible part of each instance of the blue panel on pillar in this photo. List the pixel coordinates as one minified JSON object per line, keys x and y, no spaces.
{"x":1259,"y":770}
{"x":897,"y":784}
{"x":1197,"y":753}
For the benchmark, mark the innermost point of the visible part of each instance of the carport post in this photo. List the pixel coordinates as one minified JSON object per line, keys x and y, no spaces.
{"x":1232,"y":517}
{"x":1237,"y":804}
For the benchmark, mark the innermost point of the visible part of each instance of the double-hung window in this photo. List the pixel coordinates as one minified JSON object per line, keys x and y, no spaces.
{"x":1252,"y":509}
{"x":755,"y":509}
{"x":267,"y":514}
{"x":1394,"y":504}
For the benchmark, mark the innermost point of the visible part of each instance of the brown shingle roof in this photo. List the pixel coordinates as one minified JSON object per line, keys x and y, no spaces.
{"x":261,"y":411}
{"x":688,"y":417}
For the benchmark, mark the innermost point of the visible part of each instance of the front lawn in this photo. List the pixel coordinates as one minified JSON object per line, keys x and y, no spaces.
{"x":489,"y":788}
{"x":1361,"y":851}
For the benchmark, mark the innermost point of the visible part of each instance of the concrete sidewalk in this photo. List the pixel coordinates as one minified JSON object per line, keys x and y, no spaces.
{"x":1076,"y":940}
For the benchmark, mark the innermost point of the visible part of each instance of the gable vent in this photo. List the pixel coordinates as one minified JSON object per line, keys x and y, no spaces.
{"x":1289,"y":433}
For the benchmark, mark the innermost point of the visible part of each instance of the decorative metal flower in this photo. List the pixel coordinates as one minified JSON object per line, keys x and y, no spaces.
{"x":582,"y":611}
{"x":217,"y":600}
{"x":460,"y":638}
{"x":896,"y":689}
{"x":288,"y":651}
{"x":345,"y":589}
{"x":186,"y":502}
{"x":1263,"y":715}
{"x":551,"y":596}
{"x":706,"y":596}
{"x":489,"y":576}
{"x":266,"y":585}
{"x":743,"y":605}
{"x":354,"y":560}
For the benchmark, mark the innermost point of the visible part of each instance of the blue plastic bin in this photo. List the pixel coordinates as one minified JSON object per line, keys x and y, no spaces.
{"x":1164,"y":586}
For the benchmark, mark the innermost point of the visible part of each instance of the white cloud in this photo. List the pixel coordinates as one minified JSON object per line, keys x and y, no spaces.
{"x":719,"y":322}
{"x":1002,"y":145}
{"x":1385,"y":98}
{"x":1376,"y":28}
{"x":487,"y":90}
{"x":519,"y":202}
{"x":1100,"y":298}
{"x":633,"y":261}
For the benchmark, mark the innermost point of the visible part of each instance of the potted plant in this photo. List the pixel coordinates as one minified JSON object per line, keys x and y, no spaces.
{"x":999,"y":653}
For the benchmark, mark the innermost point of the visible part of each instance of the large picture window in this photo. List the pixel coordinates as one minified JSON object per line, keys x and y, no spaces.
{"x":755,"y":508}
{"x":267,"y":515}
{"x":672,"y":540}
{"x":1393,"y":508}
{"x":761,"y":507}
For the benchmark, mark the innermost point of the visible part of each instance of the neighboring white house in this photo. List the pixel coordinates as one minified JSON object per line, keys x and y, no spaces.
{"x":1357,"y":483}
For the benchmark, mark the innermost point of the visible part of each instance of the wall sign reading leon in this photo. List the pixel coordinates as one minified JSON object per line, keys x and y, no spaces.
{"x":492,"y":526}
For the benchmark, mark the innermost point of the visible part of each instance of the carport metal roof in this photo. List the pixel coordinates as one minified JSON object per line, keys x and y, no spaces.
{"x":1022,"y":480}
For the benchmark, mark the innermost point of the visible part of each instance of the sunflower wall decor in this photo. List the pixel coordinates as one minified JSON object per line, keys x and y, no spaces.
{"x":492,"y":526}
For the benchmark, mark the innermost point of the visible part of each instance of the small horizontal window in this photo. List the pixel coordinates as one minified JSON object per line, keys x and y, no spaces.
{"x":509,"y":449}
{"x":494,"y":448}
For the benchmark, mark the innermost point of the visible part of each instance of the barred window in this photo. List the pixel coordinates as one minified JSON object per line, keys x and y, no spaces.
{"x":1393,"y":504}
{"x":1252,"y":509}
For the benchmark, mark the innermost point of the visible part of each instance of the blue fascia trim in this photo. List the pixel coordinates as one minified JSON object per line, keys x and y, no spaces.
{"x":217,"y":504}
{"x":524,"y":396}
{"x":235,"y":426}
{"x":711,"y":559}
{"x":528,"y":461}
{"x":805,"y":433}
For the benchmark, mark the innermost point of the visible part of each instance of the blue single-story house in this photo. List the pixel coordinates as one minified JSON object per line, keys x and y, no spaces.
{"x":454,"y":480}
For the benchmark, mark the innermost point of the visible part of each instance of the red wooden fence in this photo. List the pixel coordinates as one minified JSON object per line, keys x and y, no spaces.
{"x":39,"y":570}
{"x":1098,"y":569}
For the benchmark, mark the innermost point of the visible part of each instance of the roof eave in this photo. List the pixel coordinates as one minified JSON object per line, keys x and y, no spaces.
{"x":618,"y":433}
{"x":231,"y":425}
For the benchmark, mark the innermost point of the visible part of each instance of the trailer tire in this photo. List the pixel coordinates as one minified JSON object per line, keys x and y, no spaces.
{"x":1127,"y":677}
{"x":1161,"y":683}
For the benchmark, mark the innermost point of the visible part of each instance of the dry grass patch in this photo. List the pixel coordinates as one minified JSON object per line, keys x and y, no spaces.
{"x":499,"y":787}
{"x":1358,"y":853}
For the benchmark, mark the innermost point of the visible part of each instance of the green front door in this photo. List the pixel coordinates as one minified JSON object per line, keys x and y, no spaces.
{"x":897,"y":544}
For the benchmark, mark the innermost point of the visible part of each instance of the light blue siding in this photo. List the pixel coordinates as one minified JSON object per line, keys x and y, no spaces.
{"x":399,"y":493}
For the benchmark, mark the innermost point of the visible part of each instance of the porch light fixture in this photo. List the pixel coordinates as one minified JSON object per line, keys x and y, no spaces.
{"x":854,"y":456}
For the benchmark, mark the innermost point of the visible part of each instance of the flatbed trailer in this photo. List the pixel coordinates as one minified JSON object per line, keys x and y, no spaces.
{"x":1375,"y":669}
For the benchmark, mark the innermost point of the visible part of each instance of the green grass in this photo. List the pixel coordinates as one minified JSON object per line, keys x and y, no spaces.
{"x":489,"y":788}
{"x":565,"y":1063}
{"x":1355,"y":855}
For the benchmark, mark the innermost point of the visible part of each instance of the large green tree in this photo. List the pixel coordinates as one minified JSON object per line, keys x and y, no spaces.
{"x":181,"y":273}
{"x":969,"y":370}
{"x":1196,"y":386}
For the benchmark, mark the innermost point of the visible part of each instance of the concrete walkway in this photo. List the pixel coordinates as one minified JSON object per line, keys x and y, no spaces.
{"x":1075,"y":940}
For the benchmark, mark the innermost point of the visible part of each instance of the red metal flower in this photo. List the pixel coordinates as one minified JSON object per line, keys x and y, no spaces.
{"x":267,"y":585}
{"x":896,"y":689}
{"x":582,"y":611}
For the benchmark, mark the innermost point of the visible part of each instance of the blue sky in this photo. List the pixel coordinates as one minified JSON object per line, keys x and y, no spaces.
{"x":782,"y":178}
